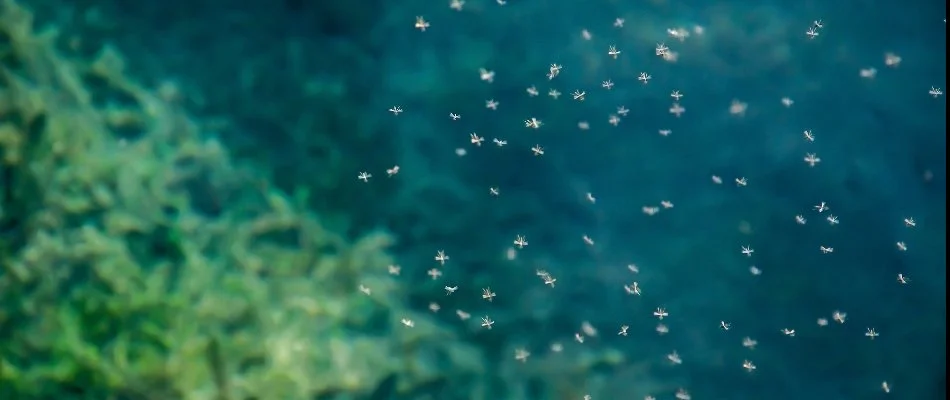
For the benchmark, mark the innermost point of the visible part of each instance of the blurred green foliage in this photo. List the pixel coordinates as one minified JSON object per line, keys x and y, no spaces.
{"x":140,"y":262}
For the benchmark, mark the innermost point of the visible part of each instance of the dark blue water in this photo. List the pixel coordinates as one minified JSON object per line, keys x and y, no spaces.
{"x":305,"y":88}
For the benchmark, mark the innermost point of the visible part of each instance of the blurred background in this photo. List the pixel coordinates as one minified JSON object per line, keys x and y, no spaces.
{"x":181,"y":215}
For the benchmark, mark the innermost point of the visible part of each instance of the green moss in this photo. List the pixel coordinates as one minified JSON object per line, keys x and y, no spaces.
{"x":114,"y":285}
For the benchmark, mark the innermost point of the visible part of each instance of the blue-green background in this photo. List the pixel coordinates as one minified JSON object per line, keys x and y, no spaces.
{"x":307,"y":85}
